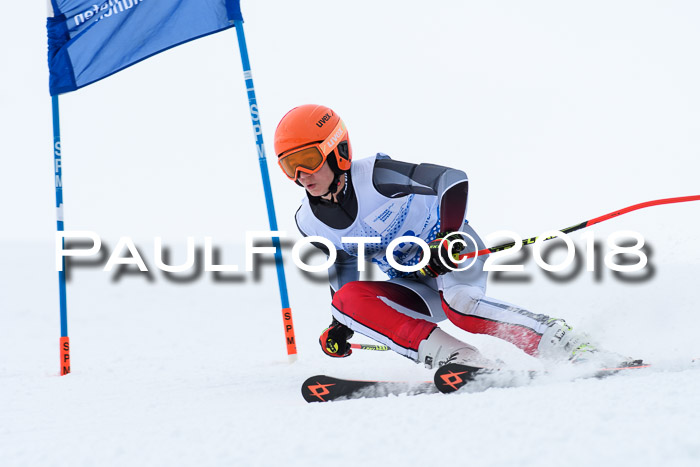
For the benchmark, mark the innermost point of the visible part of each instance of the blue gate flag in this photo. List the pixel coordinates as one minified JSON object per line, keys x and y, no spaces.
{"x":92,"y":39}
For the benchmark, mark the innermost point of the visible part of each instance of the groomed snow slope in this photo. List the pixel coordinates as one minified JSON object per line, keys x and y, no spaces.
{"x":169,"y":374}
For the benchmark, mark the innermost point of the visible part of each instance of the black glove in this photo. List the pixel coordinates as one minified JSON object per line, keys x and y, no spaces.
{"x":334,"y":340}
{"x":441,"y":261}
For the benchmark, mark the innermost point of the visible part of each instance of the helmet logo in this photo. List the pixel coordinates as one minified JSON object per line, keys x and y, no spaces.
{"x":332,"y":141}
{"x":324,"y":119}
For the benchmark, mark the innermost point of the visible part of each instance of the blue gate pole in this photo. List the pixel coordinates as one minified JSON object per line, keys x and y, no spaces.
{"x":272,"y":218}
{"x":64,"y":342}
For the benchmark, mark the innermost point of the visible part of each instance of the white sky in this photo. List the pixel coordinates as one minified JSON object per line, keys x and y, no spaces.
{"x":558,"y":112}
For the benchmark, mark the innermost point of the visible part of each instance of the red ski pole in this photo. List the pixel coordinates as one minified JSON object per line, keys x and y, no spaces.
{"x":582,"y":225}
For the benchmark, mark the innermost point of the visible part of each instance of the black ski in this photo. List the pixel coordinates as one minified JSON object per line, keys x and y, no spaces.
{"x":448,"y":378}
{"x":453,"y":376}
{"x":322,"y":388}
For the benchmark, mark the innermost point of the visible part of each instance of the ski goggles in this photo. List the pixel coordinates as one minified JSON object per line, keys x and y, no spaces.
{"x":310,"y":158}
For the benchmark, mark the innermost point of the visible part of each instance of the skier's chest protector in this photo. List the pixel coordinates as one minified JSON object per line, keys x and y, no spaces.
{"x":379,"y":216}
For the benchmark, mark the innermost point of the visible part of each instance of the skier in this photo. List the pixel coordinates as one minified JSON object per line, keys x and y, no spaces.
{"x":384,"y":198}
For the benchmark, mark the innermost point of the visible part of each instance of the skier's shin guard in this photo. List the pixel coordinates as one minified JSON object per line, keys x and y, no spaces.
{"x":440,"y":348}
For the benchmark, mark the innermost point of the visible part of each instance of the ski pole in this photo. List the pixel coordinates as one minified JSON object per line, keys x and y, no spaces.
{"x":582,"y":225}
{"x":369,"y":347}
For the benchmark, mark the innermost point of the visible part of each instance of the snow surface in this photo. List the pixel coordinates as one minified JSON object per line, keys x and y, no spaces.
{"x":559,"y":112}
{"x":167,"y":374}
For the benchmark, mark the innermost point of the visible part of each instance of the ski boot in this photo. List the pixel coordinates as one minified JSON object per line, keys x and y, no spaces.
{"x":440,"y":349}
{"x":560,"y":342}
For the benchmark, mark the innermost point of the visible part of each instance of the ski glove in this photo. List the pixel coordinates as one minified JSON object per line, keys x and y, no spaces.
{"x":441,"y":261}
{"x":334,"y":340}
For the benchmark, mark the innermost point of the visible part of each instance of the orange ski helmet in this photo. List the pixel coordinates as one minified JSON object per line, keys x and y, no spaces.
{"x":307,"y":137}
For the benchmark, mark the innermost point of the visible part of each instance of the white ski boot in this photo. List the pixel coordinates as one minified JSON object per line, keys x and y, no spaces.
{"x":560,"y":342}
{"x":440,"y":349}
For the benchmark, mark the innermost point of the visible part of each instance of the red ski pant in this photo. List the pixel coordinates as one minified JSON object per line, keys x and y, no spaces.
{"x":371,"y":308}
{"x":403,"y":313}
